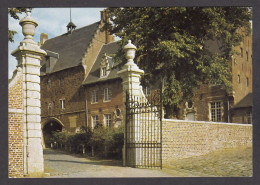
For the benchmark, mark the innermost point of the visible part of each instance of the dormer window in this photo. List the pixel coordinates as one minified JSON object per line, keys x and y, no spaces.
{"x":105,"y":65}
{"x":104,"y":71}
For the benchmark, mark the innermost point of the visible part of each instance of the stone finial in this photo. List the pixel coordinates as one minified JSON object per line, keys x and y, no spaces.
{"x":28,"y":26}
{"x":130,"y":51}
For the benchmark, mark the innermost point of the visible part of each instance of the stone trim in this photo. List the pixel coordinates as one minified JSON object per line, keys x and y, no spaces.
{"x":17,"y":111}
{"x":205,"y":122}
{"x":16,"y":74}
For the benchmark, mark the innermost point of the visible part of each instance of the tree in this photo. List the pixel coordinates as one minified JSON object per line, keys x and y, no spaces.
{"x":14,"y":14}
{"x":172,"y":44}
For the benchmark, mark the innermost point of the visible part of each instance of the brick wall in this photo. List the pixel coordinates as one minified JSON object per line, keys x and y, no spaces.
{"x":64,"y":85}
{"x":15,"y":126}
{"x":100,"y":108}
{"x":242,"y":66}
{"x":183,"y":139}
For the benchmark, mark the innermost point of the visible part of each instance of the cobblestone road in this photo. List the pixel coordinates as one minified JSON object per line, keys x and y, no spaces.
{"x":62,"y":165}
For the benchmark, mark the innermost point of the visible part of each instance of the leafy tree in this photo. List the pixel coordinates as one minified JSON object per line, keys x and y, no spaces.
{"x":172,"y":44}
{"x":14,"y":14}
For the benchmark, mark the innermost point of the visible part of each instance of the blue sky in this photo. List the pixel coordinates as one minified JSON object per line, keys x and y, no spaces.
{"x":52,"y":21}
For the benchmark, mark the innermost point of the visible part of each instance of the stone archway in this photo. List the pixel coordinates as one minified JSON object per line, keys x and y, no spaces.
{"x":50,"y":125}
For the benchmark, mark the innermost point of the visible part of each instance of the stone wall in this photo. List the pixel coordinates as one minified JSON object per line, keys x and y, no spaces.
{"x":183,"y":139}
{"x":15,"y":125}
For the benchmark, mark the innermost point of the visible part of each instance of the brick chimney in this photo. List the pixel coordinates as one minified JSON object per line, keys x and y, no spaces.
{"x":105,"y":19}
{"x":104,"y":16}
{"x":43,"y":38}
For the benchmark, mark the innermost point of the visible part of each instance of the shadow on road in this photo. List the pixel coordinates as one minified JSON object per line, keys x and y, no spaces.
{"x":89,"y":160}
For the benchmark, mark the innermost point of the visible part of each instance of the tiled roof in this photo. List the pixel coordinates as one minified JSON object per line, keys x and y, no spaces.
{"x":247,"y":101}
{"x":94,"y":74}
{"x":70,"y":47}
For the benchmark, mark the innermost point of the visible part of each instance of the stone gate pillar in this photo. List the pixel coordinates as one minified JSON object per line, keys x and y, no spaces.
{"x":28,"y":55}
{"x":130,"y":75}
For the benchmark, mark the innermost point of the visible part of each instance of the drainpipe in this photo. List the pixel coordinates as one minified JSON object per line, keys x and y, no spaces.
{"x":86,"y":108}
{"x":228,"y":112}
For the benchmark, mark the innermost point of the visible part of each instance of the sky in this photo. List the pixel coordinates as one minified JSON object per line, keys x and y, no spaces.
{"x":52,"y":21}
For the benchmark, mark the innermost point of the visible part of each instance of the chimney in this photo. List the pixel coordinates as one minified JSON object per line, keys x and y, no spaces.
{"x":104,"y":16}
{"x":105,"y":19}
{"x":43,"y":38}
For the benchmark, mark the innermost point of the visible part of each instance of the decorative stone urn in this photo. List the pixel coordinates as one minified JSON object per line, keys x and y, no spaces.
{"x":130,"y":51}
{"x":28,"y":26}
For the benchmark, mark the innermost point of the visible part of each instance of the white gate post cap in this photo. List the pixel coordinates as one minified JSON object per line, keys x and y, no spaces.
{"x":130,"y":51}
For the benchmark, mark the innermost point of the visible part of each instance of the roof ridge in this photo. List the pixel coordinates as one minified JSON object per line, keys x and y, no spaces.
{"x":74,"y":30}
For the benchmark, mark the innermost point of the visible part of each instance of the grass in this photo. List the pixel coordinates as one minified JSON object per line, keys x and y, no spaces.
{"x":225,"y":163}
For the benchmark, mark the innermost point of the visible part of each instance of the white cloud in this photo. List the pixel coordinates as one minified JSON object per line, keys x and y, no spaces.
{"x":52,"y":21}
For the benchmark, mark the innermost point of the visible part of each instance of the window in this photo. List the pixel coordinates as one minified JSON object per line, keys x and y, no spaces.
{"x":94,"y":121}
{"x":249,"y":118}
{"x":241,"y":52}
{"x":49,"y":83}
{"x":215,"y":111}
{"x":94,"y":96}
{"x":50,"y":108}
{"x":62,"y":104}
{"x":247,"y":56}
{"x":104,"y":71}
{"x":107,"y":94}
{"x":61,"y":82}
{"x":238,"y":78}
{"x":107,"y":120}
{"x":235,"y":61}
{"x":247,"y":81}
{"x":147,"y":91}
{"x":189,"y":104}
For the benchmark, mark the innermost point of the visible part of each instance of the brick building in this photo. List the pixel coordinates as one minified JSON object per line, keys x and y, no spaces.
{"x":103,"y":87}
{"x":68,"y":62}
{"x":213,"y":103}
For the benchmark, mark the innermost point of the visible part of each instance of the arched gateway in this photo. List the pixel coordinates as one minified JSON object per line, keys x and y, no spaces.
{"x":49,"y":126}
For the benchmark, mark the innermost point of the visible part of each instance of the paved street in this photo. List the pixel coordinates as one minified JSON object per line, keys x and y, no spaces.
{"x":60,"y":165}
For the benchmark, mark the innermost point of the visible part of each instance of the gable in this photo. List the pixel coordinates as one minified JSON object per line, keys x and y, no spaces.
{"x":69,"y":47}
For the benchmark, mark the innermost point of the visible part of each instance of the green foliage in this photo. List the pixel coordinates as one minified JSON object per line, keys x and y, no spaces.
{"x":13,"y":12}
{"x":172,"y":44}
{"x":106,"y":142}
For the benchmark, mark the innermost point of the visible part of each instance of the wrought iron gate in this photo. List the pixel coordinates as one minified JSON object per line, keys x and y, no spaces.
{"x":143,"y":131}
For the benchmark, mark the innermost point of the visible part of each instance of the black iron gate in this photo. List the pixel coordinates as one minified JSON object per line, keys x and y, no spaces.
{"x":143,"y":131}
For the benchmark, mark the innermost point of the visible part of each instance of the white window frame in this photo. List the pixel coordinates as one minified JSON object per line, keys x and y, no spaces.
{"x":107,"y":120}
{"x":147,"y":90}
{"x":216,"y":111}
{"x":94,"y":96}
{"x":107,"y":94}
{"x":62,"y":104}
{"x":249,"y":118}
{"x":103,"y":72}
{"x":95,"y":121}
